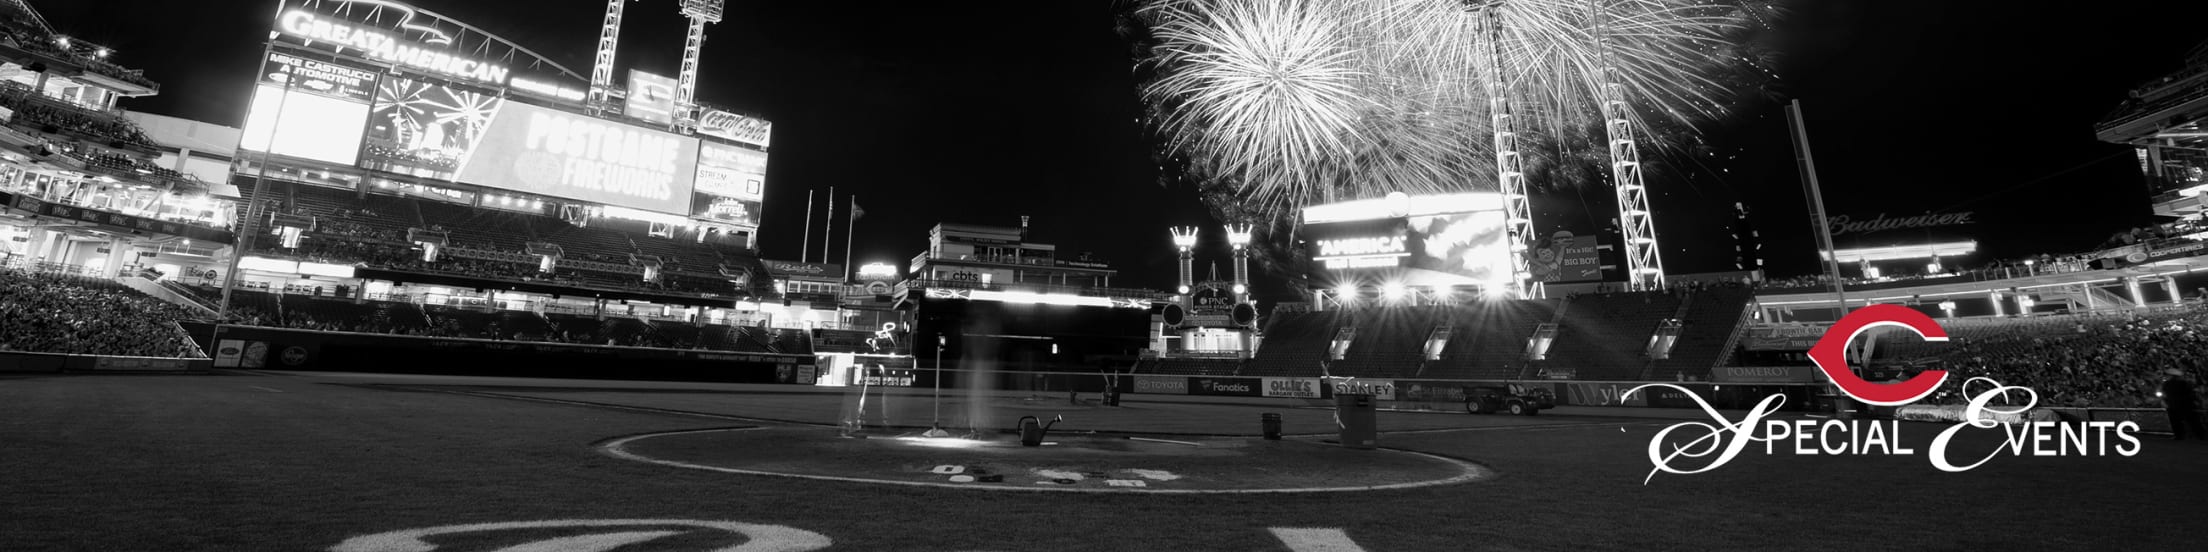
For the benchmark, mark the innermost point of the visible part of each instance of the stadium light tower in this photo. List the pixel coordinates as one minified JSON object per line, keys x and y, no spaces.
{"x":1510,"y":171}
{"x":1184,"y":238}
{"x":1644,"y":261}
{"x":601,"y":69}
{"x":700,"y":13}
{"x":1239,"y":235}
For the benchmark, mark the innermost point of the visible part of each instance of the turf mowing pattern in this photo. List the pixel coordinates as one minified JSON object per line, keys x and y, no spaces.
{"x":306,"y":462}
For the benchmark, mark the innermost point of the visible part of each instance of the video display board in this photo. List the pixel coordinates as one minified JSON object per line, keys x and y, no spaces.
{"x":436,"y":131}
{"x":309,"y":108}
{"x":731,"y":184}
{"x":651,"y":97}
{"x":1458,"y":248}
{"x":546,"y":151}
{"x":425,"y":129}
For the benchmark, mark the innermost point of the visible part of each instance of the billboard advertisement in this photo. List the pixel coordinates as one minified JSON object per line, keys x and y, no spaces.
{"x":425,"y":129}
{"x":310,"y":109}
{"x":739,"y":128}
{"x":1566,"y":258}
{"x":731,"y":184}
{"x":1295,"y":388}
{"x":546,"y":151}
{"x":1232,"y":387}
{"x":730,"y":171}
{"x":651,"y":98}
{"x":818,"y":272}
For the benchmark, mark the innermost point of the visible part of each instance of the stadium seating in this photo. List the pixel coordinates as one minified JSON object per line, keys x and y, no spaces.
{"x":1604,"y":336}
{"x":1713,"y":316}
{"x":55,"y":313}
{"x":372,"y":229}
{"x":1489,"y":339}
{"x":2104,"y":360}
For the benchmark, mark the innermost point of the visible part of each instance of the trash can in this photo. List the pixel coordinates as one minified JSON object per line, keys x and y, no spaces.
{"x":1269,"y":422}
{"x":1358,"y":416}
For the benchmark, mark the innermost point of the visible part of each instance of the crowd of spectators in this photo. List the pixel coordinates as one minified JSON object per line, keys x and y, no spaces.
{"x":102,"y":126}
{"x":51,"y":313}
{"x":2114,"y":361}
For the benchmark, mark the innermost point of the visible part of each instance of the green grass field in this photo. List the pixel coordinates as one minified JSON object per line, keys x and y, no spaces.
{"x":242,"y":461}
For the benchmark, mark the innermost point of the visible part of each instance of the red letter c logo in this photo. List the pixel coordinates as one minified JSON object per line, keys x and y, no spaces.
{"x":1831,"y":355}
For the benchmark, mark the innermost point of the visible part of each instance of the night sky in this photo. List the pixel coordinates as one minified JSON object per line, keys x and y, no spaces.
{"x":980,"y":112}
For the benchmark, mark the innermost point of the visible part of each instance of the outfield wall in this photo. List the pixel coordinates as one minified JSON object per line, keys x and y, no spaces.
{"x":254,"y":347}
{"x":52,"y":363}
{"x":1404,"y":394}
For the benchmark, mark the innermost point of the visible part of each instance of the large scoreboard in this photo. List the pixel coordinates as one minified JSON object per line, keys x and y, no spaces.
{"x":1439,"y":240}
{"x":388,"y":88}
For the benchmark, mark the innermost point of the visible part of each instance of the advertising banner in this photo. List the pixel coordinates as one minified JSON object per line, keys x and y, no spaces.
{"x":817,"y":272}
{"x":545,"y":151}
{"x":325,"y":78}
{"x":255,"y":355}
{"x":140,"y":364}
{"x":1603,"y":394}
{"x":1380,"y":389}
{"x":228,"y":351}
{"x":730,"y":185}
{"x":1231,"y":387}
{"x":725,"y":210}
{"x":1566,"y":258}
{"x":1161,"y":385}
{"x":651,"y":98}
{"x":1782,"y":337}
{"x":424,"y":129}
{"x":730,"y":171}
{"x":731,"y":126}
{"x":1299,"y":388}
{"x":115,"y":220}
{"x":1764,"y":374}
{"x":1430,"y":391}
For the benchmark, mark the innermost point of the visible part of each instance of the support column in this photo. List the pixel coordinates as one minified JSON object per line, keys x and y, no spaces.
{"x":2091,"y":302}
{"x":2138,"y":299}
{"x":2177,"y":297}
{"x":1998,"y":309}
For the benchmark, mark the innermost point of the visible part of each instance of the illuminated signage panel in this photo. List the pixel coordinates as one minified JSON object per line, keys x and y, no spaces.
{"x":303,"y":125}
{"x":651,"y":97}
{"x":749,"y":130}
{"x":425,"y":129}
{"x":399,"y":47}
{"x":730,"y":171}
{"x":545,"y":151}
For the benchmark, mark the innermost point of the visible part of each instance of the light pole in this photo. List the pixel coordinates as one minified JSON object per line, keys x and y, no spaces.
{"x":939,"y":342}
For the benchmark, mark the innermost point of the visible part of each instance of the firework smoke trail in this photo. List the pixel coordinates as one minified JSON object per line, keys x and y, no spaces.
{"x":1294,"y":102}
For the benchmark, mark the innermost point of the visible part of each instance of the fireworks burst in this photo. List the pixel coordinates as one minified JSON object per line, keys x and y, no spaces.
{"x":1293,"y":102}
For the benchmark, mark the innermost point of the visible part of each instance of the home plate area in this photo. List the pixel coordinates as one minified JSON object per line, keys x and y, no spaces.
{"x":1094,"y":462}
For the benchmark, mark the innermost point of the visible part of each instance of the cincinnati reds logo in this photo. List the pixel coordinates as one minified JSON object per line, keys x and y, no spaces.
{"x":627,"y":534}
{"x":618,"y":533}
{"x":1831,"y":355}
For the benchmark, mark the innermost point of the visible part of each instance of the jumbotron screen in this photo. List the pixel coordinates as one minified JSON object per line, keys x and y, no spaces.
{"x":384,"y":89}
{"x":1456,"y":239}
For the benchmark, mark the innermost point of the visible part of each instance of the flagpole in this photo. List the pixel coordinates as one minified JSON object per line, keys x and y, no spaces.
{"x":851,"y":226}
{"x":828,"y":226}
{"x":805,"y":252}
